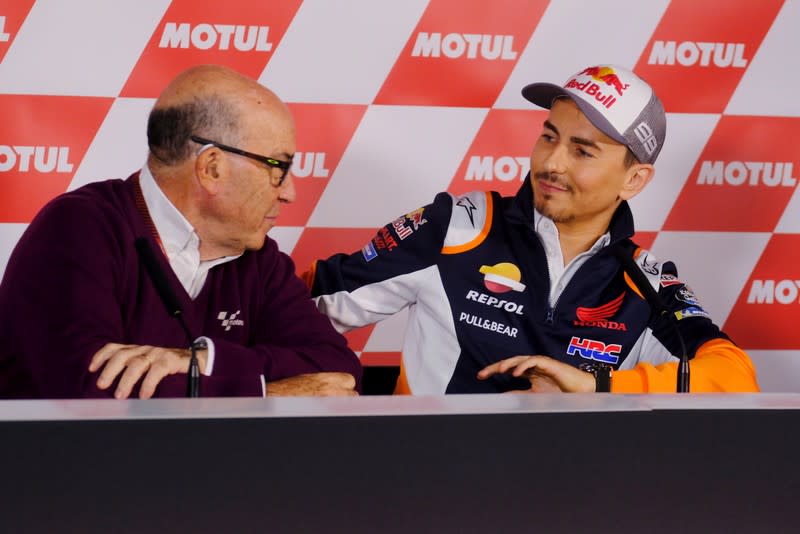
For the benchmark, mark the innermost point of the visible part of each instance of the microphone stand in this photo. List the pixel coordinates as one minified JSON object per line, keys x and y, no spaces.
{"x":193,"y":381}
{"x":655,"y":302}
{"x":173,"y":307}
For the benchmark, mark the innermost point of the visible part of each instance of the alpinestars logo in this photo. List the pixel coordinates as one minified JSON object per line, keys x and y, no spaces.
{"x":648,"y":267}
{"x":228,"y":322}
{"x":467,"y":204}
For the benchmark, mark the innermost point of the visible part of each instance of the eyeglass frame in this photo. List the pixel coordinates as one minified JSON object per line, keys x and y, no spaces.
{"x":270,"y":162}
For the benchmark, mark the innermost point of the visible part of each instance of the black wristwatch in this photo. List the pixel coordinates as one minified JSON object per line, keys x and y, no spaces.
{"x":602,"y":375}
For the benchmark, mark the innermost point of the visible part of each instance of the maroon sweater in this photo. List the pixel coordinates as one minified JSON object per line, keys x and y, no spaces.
{"x":74,"y":283}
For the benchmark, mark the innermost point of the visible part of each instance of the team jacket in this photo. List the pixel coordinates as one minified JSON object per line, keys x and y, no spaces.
{"x":473,"y":272}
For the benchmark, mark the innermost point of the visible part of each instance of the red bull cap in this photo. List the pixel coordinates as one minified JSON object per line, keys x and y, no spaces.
{"x":618,"y":102}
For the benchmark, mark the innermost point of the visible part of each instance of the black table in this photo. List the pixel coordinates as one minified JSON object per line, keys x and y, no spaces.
{"x":471,"y":463}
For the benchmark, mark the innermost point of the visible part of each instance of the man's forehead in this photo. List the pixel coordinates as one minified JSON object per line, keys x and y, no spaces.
{"x":568,"y":119}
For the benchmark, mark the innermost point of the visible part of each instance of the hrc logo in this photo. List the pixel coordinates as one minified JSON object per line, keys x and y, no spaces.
{"x":594,"y":350}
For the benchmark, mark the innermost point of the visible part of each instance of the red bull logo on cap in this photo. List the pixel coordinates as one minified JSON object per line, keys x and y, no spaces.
{"x":607,"y":76}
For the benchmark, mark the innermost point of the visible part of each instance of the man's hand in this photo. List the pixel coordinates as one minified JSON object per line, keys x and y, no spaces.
{"x":140,"y":362}
{"x":544,"y":373}
{"x":313,"y":385}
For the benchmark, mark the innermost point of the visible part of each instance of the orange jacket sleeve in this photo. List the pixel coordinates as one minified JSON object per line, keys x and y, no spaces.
{"x":718,"y":366}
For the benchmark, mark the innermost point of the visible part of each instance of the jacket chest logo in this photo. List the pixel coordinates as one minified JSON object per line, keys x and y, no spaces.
{"x":592,"y":349}
{"x":229,"y":321}
{"x":599,"y":317}
{"x":502,"y":277}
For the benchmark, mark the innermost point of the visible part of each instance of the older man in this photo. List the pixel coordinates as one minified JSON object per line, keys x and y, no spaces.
{"x":527,"y":292}
{"x":79,"y":314}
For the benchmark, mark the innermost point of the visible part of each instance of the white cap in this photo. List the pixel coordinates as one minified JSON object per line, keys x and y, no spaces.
{"x":618,"y":102}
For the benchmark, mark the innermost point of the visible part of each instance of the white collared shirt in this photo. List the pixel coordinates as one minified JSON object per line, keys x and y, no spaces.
{"x":180,"y":241}
{"x":181,"y":244}
{"x":561,"y":274}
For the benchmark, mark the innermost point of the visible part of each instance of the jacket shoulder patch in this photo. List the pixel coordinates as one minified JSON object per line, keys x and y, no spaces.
{"x":469,"y":222}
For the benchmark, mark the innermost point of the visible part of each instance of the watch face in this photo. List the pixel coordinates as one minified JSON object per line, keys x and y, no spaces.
{"x":602,"y":375}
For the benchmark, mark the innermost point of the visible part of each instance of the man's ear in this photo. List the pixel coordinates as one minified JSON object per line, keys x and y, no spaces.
{"x":210,"y":167}
{"x":636,"y":178}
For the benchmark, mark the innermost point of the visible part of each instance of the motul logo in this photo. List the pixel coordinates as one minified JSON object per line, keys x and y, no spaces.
{"x":771,"y":174}
{"x":206,"y":36}
{"x":455,"y":45}
{"x":768,"y":291}
{"x":3,"y":35}
{"x":311,"y":164}
{"x":38,"y":158}
{"x":689,"y":53}
{"x":504,"y":168}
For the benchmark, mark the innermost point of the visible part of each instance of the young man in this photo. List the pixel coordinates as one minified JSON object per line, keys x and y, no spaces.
{"x":79,"y":313}
{"x":526,"y":292}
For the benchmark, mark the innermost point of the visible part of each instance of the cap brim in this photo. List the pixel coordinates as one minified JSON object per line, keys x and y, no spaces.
{"x":542,"y":94}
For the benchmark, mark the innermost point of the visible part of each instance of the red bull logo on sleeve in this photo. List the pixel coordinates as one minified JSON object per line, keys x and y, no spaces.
{"x":604,"y":75}
{"x":594,"y":350}
{"x":415,"y":217}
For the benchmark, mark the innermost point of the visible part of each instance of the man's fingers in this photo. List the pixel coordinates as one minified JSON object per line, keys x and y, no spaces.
{"x":116,"y":362}
{"x":134,"y":370}
{"x":526,"y":367}
{"x":101,"y":356}
{"x":158,"y":370}
{"x":502,"y":366}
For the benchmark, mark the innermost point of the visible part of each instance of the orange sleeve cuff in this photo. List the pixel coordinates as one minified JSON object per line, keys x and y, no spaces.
{"x":718,"y":366}
{"x":629,"y":381}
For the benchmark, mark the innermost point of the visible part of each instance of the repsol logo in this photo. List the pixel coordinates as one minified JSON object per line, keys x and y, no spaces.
{"x":769,"y":291}
{"x":689,"y":53}
{"x":220,"y":36}
{"x":309,"y":164}
{"x":769,"y":173}
{"x":504,"y":168}
{"x":483,"y":298}
{"x":37,"y":158}
{"x":471,"y":45}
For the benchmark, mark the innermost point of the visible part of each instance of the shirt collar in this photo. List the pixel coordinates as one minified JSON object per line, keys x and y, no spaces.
{"x":523,"y":212}
{"x":548,"y":231}
{"x":175,"y":232}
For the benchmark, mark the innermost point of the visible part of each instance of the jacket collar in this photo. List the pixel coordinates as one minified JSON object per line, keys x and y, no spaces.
{"x":521,"y":212}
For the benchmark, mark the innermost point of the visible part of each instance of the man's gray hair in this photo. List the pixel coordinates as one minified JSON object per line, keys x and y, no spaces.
{"x":169,"y":128}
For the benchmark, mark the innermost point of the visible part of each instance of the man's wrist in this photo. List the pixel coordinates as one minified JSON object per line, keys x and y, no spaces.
{"x":602,"y":375}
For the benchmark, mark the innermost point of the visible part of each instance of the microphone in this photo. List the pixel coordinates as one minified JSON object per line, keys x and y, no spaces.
{"x":170,"y":301}
{"x":655,"y":302}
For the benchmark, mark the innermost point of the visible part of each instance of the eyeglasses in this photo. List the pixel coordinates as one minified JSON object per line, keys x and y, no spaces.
{"x":275,"y":179}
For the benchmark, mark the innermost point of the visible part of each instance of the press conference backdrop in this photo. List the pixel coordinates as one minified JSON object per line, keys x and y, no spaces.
{"x":398,"y":100}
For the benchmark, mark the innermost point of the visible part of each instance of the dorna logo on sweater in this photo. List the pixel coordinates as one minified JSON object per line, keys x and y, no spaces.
{"x":229,"y":321}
